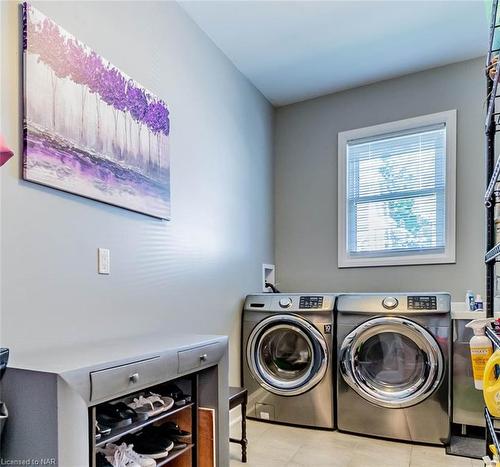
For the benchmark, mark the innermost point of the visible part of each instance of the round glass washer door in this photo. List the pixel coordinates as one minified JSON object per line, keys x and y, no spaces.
{"x":287,"y":355}
{"x":391,"y":362}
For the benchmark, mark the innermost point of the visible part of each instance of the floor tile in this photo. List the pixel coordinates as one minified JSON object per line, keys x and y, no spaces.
{"x":282,"y":446}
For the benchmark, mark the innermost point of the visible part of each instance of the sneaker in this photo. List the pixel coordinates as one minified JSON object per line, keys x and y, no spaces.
{"x":119,"y":459}
{"x":117,"y":456}
{"x":150,"y":446}
{"x":143,"y":461}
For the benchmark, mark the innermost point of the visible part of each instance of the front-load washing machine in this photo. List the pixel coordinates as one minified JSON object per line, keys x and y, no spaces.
{"x":287,"y":358}
{"x":393,"y":366}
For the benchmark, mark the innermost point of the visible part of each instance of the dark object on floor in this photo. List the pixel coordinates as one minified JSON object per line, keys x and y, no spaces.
{"x":239,"y":396}
{"x":466,"y":446}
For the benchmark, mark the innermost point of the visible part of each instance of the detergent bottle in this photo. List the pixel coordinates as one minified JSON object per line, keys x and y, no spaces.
{"x":491,"y":385}
{"x":481,"y":349}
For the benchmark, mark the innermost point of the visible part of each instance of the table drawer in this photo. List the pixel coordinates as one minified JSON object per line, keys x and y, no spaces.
{"x":125,"y":378}
{"x":199,"y":356}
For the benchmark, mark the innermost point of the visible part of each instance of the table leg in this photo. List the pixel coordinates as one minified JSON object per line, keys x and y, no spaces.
{"x":244,"y":440}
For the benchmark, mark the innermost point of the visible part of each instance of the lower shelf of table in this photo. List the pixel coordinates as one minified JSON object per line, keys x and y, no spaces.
{"x":174,"y":455}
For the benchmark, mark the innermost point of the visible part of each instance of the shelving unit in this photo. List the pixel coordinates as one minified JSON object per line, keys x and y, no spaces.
{"x":185,"y":416}
{"x":491,"y":436}
{"x":492,"y":125}
{"x":138,"y":426}
{"x":494,"y":339}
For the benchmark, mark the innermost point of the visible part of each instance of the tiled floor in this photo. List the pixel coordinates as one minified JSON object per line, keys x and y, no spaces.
{"x":281,"y":446}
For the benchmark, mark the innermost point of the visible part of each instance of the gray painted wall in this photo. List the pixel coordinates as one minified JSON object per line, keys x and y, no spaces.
{"x":306,"y":181}
{"x":189,"y":274}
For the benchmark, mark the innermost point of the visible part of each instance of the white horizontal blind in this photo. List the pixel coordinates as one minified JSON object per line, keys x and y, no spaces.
{"x":396,"y":193}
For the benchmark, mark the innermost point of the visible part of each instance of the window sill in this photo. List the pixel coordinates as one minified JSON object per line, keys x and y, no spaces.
{"x":413,"y":260}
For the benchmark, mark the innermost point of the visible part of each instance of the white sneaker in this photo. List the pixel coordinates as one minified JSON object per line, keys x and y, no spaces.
{"x":117,"y":456}
{"x":143,"y":461}
{"x":108,"y":450}
{"x":119,"y":459}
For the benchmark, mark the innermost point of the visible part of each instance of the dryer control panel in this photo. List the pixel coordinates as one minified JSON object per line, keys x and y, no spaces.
{"x":422,"y":302}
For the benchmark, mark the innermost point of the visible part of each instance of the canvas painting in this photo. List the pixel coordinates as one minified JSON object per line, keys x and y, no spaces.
{"x":90,"y":129}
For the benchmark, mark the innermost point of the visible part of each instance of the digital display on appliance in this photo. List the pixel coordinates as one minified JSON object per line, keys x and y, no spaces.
{"x":422,"y":302}
{"x":311,"y":302}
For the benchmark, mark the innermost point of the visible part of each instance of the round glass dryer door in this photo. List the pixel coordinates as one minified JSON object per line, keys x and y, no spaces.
{"x":287,"y":355}
{"x":391,"y":362}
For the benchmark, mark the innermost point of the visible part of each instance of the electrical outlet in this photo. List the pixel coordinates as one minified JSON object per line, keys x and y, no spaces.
{"x":103,"y":261}
{"x":268,"y":275}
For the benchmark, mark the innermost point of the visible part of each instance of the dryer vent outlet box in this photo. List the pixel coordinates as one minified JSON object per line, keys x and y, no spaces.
{"x":264,"y":411}
{"x":268,"y":275}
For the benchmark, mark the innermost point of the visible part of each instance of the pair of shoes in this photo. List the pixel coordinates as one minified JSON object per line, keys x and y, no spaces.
{"x":177,"y":395}
{"x":101,"y":430}
{"x":151,"y":405}
{"x":149,"y":442}
{"x":125,"y":456}
{"x":172,"y":431}
{"x":117,"y":415}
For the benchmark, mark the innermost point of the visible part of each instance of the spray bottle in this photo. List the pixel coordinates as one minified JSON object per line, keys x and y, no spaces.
{"x":481,"y":349}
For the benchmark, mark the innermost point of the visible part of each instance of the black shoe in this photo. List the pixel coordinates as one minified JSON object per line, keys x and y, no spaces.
{"x":115,"y":415}
{"x":173,"y":391}
{"x":150,"y":443}
{"x":173,"y":431}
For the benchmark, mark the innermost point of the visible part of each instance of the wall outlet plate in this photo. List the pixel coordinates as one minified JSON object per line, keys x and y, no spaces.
{"x":268,"y":275}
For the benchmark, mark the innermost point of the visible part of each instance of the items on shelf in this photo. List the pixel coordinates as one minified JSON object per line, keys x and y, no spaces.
{"x":171,"y":430}
{"x":149,"y":405}
{"x":144,"y":429}
{"x":101,"y":430}
{"x":492,"y":67}
{"x":175,"y":393}
{"x":496,"y":213}
{"x":116,"y":415}
{"x":469,"y":300}
{"x":151,"y":442}
{"x":491,"y":384}
{"x":123,"y":455}
{"x":481,"y":349}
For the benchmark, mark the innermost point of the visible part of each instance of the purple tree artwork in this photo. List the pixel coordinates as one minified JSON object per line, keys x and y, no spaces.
{"x":90,"y":129}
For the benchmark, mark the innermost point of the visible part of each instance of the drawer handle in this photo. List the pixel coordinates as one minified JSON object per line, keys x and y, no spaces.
{"x":203,"y":357}
{"x":134,"y":378}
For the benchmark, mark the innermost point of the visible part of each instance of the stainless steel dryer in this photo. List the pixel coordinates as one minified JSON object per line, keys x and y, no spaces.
{"x":287,"y":360}
{"x":393,"y":366}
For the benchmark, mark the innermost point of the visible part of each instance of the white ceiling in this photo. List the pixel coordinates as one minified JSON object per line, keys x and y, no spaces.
{"x":295,"y":50}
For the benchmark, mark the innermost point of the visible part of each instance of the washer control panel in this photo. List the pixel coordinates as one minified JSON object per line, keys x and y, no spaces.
{"x":309,"y":301}
{"x":422,"y":302}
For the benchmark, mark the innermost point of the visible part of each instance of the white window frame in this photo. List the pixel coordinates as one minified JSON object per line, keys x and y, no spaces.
{"x":449,"y":118}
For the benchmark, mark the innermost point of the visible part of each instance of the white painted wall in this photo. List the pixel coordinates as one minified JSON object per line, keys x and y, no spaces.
{"x":189,"y":274}
{"x":306,"y":182}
